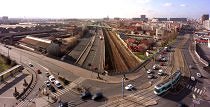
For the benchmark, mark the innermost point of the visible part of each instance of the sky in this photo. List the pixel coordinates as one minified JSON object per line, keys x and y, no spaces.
{"x":103,"y":8}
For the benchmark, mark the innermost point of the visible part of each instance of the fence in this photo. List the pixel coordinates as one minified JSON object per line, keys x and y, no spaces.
{"x":10,"y":72}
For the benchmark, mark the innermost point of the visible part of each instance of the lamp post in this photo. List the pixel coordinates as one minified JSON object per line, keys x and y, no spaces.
{"x":123,"y":87}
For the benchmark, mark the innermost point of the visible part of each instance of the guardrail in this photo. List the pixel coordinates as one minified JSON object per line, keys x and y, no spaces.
{"x":86,"y":50}
{"x":29,"y":88}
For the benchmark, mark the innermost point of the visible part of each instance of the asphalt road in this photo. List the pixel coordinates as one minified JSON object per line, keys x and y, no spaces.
{"x":108,"y":90}
{"x":192,"y":87}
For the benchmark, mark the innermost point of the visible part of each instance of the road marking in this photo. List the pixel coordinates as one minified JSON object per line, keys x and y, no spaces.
{"x":190,"y":87}
{"x":195,"y":89}
{"x":198,"y":91}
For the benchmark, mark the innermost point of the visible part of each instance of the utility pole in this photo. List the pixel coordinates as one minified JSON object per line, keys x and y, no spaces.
{"x":123,"y":87}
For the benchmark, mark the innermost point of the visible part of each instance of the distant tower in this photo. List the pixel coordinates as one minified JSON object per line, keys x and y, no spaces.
{"x":205,"y":17}
{"x":5,"y":18}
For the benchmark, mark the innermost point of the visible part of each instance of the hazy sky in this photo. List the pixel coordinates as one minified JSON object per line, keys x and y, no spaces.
{"x":103,"y":8}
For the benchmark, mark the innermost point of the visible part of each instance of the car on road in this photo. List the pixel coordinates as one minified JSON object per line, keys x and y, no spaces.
{"x":63,"y":104}
{"x":52,"y":78}
{"x":162,"y":64}
{"x":150,"y":76}
{"x":129,"y":87}
{"x":191,"y":66}
{"x":97,"y":96}
{"x":163,"y":59}
{"x":30,"y":65}
{"x":199,"y":75}
{"x":47,"y":74}
{"x":52,"y":89}
{"x":160,"y":72}
{"x":192,"y":78}
{"x":86,"y":95}
{"x":38,"y":71}
{"x":149,"y":71}
{"x":47,"y":83}
{"x":58,"y":84}
{"x":155,"y":67}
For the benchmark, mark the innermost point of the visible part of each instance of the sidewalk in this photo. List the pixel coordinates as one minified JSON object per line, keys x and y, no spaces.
{"x":7,"y":89}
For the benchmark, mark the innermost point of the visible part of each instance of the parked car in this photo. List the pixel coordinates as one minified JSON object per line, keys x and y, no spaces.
{"x":150,"y":76}
{"x":47,"y":74}
{"x":52,"y":79}
{"x":129,"y":87}
{"x":149,"y":71}
{"x":47,"y":83}
{"x":58,"y":84}
{"x":86,"y":95}
{"x":199,"y":75}
{"x":52,"y":89}
{"x":97,"y":96}
{"x":160,"y":72}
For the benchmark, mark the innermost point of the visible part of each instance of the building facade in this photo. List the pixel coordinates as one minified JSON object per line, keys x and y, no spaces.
{"x":206,"y":24}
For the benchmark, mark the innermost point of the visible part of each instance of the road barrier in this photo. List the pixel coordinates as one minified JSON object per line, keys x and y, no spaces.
{"x":10,"y":72}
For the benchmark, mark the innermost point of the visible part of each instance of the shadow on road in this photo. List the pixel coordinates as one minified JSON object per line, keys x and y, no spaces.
{"x":180,"y":91}
{"x":11,"y":84}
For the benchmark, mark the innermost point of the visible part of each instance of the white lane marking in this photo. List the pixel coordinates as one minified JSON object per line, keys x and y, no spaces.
{"x":195,"y":89}
{"x":198,"y":91}
{"x":201,"y":92}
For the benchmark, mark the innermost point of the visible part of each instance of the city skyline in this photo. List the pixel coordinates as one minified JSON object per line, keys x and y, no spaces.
{"x":103,"y":8}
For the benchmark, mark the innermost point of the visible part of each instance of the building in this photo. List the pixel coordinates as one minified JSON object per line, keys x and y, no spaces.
{"x":178,"y":19}
{"x":206,"y":24}
{"x":142,"y":18}
{"x":161,"y":19}
{"x":5,"y":18}
{"x":205,"y":17}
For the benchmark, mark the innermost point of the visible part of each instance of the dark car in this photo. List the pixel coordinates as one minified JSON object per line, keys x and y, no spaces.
{"x":86,"y":95}
{"x":63,"y":104}
{"x":52,"y":89}
{"x":38,"y":71}
{"x":97,"y":96}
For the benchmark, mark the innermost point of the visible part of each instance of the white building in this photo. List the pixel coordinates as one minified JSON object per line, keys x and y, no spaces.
{"x":206,"y":24}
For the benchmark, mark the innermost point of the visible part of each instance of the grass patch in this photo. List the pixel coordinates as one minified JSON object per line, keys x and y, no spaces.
{"x":3,"y":66}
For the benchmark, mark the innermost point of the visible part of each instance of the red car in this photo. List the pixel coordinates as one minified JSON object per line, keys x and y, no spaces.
{"x":38,"y":71}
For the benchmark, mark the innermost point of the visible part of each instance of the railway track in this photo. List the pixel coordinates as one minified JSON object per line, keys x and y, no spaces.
{"x":146,"y":96}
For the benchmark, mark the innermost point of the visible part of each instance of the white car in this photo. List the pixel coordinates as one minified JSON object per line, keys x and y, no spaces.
{"x":155,"y":67}
{"x":47,"y":83}
{"x":160,"y":72}
{"x":199,"y":75}
{"x":192,"y":78}
{"x":58,"y":84}
{"x":52,"y":78}
{"x":149,"y":71}
{"x":129,"y":87}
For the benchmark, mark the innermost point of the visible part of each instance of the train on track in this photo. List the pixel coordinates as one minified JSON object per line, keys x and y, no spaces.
{"x":169,"y":83}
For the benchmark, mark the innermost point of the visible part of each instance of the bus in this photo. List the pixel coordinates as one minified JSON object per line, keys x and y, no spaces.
{"x":169,"y":83}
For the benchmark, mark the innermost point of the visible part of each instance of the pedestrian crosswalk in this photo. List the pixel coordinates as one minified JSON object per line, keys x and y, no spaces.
{"x":69,"y":87}
{"x":195,"y":89}
{"x":57,"y":94}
